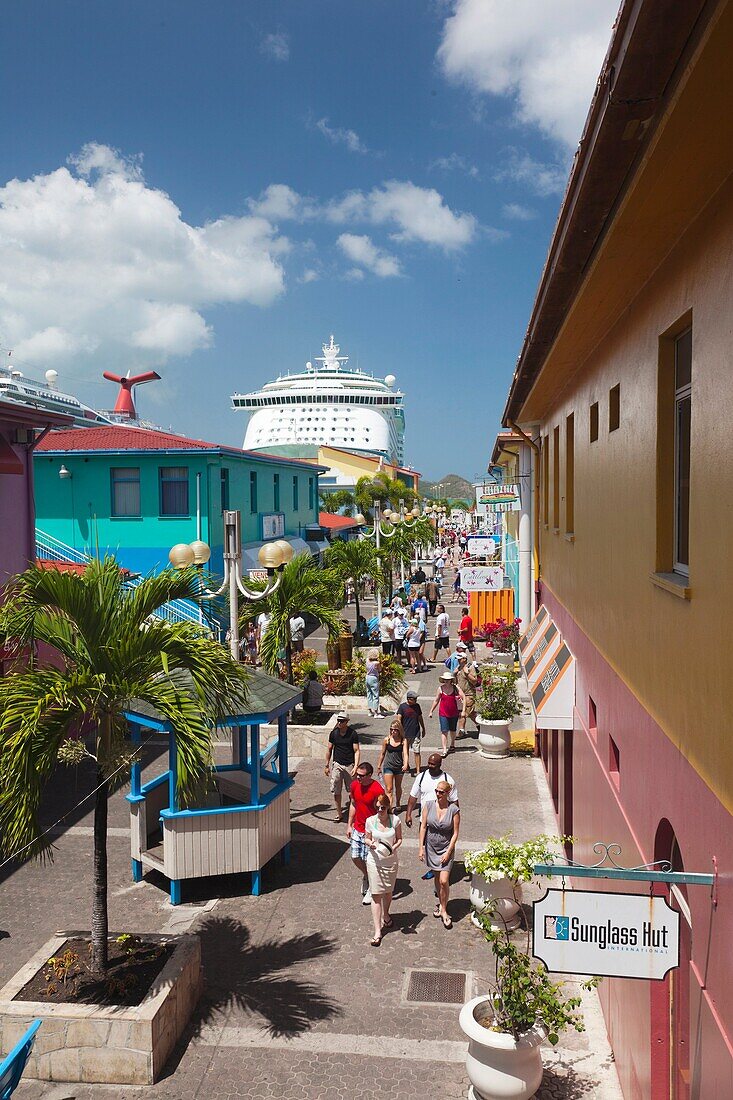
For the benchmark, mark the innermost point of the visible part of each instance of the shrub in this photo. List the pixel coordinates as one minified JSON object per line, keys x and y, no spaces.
{"x":500,"y":858}
{"x":303,"y":664}
{"x":498,"y":700}
{"x":501,"y":635}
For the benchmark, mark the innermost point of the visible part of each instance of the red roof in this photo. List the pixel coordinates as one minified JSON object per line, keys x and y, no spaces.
{"x":120,"y":438}
{"x":69,"y":566}
{"x":333,"y":522}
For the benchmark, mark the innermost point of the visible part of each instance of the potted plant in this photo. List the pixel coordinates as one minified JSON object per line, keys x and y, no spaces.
{"x":503,"y":638}
{"x":499,"y":868}
{"x":498,"y":703}
{"x":506,"y":1027}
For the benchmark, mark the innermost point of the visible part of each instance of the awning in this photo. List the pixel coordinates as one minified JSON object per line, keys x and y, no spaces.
{"x":550,"y":670}
{"x":250,"y":550}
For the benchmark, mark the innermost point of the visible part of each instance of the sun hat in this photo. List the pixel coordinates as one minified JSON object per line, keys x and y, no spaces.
{"x":447,"y":675}
{"x":342,"y":716}
{"x":461,"y":645}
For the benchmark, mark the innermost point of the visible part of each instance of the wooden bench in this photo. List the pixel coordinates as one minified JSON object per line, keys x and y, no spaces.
{"x":11,"y":1068}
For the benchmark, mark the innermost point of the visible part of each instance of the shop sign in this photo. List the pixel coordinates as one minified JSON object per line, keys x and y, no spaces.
{"x":481,"y":546}
{"x":532,"y":629}
{"x":494,"y":497}
{"x":258,"y":575}
{"x":606,"y":934}
{"x":273,"y":525}
{"x":482,"y":578}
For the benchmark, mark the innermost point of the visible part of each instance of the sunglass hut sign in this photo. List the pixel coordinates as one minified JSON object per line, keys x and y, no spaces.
{"x":616,"y":935}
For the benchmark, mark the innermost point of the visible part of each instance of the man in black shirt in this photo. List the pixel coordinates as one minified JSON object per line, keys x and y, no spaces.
{"x":342,"y":759}
{"x":413,"y":724}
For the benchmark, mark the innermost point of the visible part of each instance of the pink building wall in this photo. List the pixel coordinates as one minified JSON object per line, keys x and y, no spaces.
{"x":17,"y":520}
{"x":654,"y":783}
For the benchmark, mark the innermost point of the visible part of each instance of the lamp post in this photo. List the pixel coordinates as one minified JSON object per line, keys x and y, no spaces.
{"x":273,"y":556}
{"x":378,"y":532}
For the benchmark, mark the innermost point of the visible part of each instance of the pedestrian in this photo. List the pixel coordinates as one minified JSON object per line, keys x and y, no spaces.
{"x":412,"y":644}
{"x":450,"y":703}
{"x":297,"y":632}
{"x":396,"y":602}
{"x":364,"y":792}
{"x":465,"y":630}
{"x":400,"y":629}
{"x":467,"y":679}
{"x":419,"y":575}
{"x":386,"y":631}
{"x":452,"y":662}
{"x":442,"y":632}
{"x":439,"y":566}
{"x":439,"y":828}
{"x":394,"y":761}
{"x":250,"y":638}
{"x":413,"y":724}
{"x":456,"y":588}
{"x":420,"y":604}
{"x":342,"y":759}
{"x":383,"y":836}
{"x":422,"y":664}
{"x":372,"y":683}
{"x":263,"y":621}
{"x":313,"y":692}
{"x":432,"y":592}
{"x":422,"y":791}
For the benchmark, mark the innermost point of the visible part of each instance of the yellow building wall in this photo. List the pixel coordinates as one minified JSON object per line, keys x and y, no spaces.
{"x":676,"y":655}
{"x":356,"y":466}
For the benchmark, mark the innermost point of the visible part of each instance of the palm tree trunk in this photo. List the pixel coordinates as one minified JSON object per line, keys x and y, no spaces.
{"x":99,"y":902}
{"x":357,"y":609}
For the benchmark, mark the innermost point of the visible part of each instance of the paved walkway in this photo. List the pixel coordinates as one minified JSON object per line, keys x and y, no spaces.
{"x":297,"y":1003}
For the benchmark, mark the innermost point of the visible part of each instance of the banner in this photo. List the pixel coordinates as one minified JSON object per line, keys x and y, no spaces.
{"x":482,"y":578}
{"x":598,"y":932}
{"x":491,"y":496}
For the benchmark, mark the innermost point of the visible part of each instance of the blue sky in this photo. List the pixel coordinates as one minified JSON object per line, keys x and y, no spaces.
{"x":211,"y":190}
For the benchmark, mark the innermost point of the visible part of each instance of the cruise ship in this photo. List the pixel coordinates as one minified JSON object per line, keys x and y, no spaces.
{"x":330,"y":405}
{"x":22,"y":390}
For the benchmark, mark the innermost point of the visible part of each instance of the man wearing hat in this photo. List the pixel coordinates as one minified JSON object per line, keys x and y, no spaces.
{"x":342,"y":758}
{"x":467,"y":678}
{"x":452,"y":662}
{"x":413,"y":724}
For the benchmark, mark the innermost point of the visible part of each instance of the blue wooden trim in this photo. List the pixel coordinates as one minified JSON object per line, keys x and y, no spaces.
{"x":134,"y":798}
{"x":242,"y":742}
{"x":229,"y":768}
{"x":282,"y":733}
{"x":235,"y":809}
{"x":153,"y":783}
{"x":14,"y":1063}
{"x":137,"y":870}
{"x":557,"y":870}
{"x":256,"y":883}
{"x":136,"y":718}
{"x":175,"y":889}
{"x":254,"y":776}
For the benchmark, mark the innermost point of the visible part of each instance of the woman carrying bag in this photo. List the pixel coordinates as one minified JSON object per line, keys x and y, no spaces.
{"x":383,"y":837}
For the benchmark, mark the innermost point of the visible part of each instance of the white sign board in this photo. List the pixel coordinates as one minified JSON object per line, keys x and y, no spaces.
{"x":616,"y":935}
{"x":273,"y":525}
{"x":480,"y":546}
{"x":482,"y":578}
{"x":493,"y":496}
{"x":257,"y":575}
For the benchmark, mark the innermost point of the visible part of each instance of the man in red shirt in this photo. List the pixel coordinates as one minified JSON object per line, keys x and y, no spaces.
{"x":364,"y":793}
{"x":465,"y":630}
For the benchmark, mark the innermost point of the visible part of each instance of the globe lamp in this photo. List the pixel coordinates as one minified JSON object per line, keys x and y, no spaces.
{"x":270,"y":555}
{"x":181,"y":555}
{"x":201,"y":552}
{"x":286,"y":549}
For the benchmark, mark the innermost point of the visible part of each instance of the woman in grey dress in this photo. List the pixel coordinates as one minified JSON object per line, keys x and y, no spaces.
{"x":439,"y":826}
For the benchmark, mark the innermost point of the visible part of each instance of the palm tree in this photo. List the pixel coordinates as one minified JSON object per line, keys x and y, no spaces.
{"x":112,"y":650}
{"x":304,"y":588}
{"x":337,"y":499}
{"x":356,"y":558}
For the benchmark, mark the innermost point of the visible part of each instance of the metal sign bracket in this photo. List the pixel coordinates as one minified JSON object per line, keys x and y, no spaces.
{"x":607,"y":867}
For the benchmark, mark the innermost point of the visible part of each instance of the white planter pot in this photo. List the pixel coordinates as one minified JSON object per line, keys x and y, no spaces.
{"x":494,"y":739}
{"x":503,"y":660}
{"x":499,"y":1066}
{"x":497,"y":896}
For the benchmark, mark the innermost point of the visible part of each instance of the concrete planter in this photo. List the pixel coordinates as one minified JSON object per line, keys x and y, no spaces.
{"x":358,"y":702}
{"x":305,"y":740}
{"x":494,"y":739}
{"x":499,"y":1066}
{"x":503,"y":660}
{"x":499,"y":897}
{"x":105,"y":1044}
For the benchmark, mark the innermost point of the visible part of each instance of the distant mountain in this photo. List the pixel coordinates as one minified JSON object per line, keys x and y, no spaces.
{"x":452,"y":486}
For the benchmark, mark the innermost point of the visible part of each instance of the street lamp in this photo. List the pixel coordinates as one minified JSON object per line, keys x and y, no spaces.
{"x":272,"y":556}
{"x":393,"y":518}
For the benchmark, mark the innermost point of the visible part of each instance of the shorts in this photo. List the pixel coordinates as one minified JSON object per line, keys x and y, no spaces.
{"x":389,"y":770}
{"x":448,"y":725}
{"x":415,"y":744}
{"x":387,"y":647}
{"x":340,"y":776}
{"x":359,"y":849}
{"x":397,"y":645}
{"x":442,"y":643}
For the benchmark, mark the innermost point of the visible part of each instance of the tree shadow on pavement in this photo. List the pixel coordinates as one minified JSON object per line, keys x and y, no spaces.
{"x":250,"y":977}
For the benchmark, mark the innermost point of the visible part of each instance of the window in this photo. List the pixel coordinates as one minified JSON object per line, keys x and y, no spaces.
{"x":173,"y":490}
{"x":311,"y":494}
{"x":556,"y":478}
{"x":614,"y":408}
{"x":546,"y":480}
{"x":570,"y":474}
{"x":252,"y":491}
{"x":592,"y":717}
{"x":125,"y":490}
{"x":296,"y":502}
{"x":276,"y":492}
{"x":594,"y":422}
{"x":614,"y":761}
{"x":682,"y":420}
{"x":224,"y":486}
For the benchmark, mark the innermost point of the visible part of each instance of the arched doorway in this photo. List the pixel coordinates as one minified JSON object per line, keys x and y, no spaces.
{"x":670,"y":1000}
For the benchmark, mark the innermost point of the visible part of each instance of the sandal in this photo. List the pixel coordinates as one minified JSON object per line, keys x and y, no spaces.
{"x":376,"y":941}
{"x":436,"y":911}
{"x":447,"y":922}
{"x":387,"y":923}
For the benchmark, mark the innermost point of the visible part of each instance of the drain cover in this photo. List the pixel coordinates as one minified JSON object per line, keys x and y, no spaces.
{"x":444,"y":987}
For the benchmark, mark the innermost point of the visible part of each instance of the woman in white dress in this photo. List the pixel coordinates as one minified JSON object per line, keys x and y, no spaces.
{"x":383,"y":837}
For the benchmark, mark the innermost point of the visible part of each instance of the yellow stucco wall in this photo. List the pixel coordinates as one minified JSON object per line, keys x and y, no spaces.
{"x":356,"y":466}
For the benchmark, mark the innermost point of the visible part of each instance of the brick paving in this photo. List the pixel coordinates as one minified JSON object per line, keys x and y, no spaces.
{"x":297,"y":1003}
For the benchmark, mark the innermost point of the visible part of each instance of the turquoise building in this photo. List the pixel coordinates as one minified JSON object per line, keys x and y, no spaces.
{"x":135,"y":492}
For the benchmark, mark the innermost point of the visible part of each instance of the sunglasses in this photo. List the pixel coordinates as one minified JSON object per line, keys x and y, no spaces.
{"x":362,"y":775}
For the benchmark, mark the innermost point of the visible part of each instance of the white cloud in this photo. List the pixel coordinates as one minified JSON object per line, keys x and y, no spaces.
{"x":416,"y":213}
{"x":93,"y":261}
{"x":362,"y":250}
{"x":515,"y":212}
{"x":339,"y":136}
{"x":282,"y":203}
{"x":542,"y":178}
{"x":354,"y":275}
{"x":455,"y":163}
{"x":545,"y":56}
{"x":310,"y":275}
{"x":276,"y":46}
